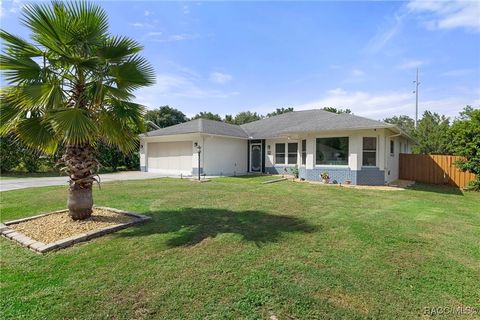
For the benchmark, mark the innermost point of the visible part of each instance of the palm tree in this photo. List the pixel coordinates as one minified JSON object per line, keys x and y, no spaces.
{"x":72,"y":86}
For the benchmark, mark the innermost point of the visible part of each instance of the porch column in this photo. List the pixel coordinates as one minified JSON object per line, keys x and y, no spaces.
{"x":310,"y":163}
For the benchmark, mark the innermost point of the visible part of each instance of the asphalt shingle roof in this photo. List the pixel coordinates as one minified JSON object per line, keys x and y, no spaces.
{"x":201,"y":126}
{"x":277,"y":126}
{"x":307,"y":121}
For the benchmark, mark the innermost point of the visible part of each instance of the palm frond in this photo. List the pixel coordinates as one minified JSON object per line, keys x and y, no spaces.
{"x":89,"y":23}
{"x":36,"y":97}
{"x":20,"y":69}
{"x":116,"y":133}
{"x":16,"y":46}
{"x":74,"y":83}
{"x":36,"y":133}
{"x":128,"y":113}
{"x":116,"y":93}
{"x":116,"y":49}
{"x":73,"y":125}
{"x":49,"y":25}
{"x":134,"y":73}
{"x":9,"y":115}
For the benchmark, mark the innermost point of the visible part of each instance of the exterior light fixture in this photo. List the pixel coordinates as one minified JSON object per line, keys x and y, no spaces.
{"x":199,"y":150}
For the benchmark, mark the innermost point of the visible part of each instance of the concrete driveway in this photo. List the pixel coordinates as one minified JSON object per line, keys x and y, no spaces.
{"x":21,"y":183}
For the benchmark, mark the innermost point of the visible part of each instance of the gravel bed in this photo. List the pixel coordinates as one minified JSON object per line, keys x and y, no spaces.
{"x":57,"y":226}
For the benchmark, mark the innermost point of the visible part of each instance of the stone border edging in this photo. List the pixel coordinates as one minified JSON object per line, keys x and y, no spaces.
{"x":41,"y":247}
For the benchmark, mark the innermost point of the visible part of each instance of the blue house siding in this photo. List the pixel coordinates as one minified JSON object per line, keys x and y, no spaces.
{"x":371,"y":177}
{"x":366,"y":176}
{"x":337,"y":175}
{"x":195,"y":171}
{"x":302,"y":173}
{"x":278,"y":169}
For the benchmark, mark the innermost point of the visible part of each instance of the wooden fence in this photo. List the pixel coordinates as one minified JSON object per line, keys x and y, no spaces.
{"x":436,"y":169}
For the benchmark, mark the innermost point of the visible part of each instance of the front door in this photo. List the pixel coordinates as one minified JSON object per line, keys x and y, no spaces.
{"x":256,"y":158}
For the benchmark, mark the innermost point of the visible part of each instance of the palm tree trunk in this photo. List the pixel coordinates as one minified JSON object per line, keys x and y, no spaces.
{"x":81,"y":167}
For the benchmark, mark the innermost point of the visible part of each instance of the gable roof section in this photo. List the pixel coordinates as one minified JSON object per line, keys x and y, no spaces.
{"x":288,"y":123}
{"x":201,"y":126}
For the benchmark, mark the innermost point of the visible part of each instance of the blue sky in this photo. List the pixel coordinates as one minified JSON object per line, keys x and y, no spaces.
{"x":227,"y":57}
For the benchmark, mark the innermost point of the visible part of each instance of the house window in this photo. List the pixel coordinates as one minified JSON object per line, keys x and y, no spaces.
{"x":369,"y":154}
{"x":392,"y":147}
{"x":292,"y":153}
{"x":280,"y":153}
{"x":332,"y":151}
{"x":304,"y":152}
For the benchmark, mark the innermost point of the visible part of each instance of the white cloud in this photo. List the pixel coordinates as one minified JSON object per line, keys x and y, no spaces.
{"x":219,"y":77}
{"x":14,"y":7}
{"x":154,"y":34}
{"x":157,"y":36}
{"x":386,"y":104}
{"x":169,"y":86}
{"x":358,"y":73}
{"x":448,"y":14}
{"x":386,"y":32}
{"x":140,"y":24}
{"x":147,"y":13}
{"x":412,"y":64}
{"x":186,"y":9}
{"x":336,"y":91}
{"x":458,"y":72}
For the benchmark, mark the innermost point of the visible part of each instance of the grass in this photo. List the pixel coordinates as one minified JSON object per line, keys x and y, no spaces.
{"x":235,"y":248}
{"x":21,"y":175}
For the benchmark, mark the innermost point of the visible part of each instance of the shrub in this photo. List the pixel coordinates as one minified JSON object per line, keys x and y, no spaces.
{"x":465,"y":142}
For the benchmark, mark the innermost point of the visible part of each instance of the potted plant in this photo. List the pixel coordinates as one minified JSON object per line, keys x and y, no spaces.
{"x":325,"y":177}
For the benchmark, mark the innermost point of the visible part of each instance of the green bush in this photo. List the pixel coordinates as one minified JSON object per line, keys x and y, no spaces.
{"x":9,"y":154}
{"x":465,"y":142}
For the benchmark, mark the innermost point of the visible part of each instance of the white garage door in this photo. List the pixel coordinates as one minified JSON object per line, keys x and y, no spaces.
{"x":171,"y":158}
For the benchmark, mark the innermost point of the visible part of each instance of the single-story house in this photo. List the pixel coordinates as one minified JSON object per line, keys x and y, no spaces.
{"x":350,"y":148}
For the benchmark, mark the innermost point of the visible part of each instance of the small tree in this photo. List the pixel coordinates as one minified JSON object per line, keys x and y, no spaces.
{"x":336,"y":110}
{"x":10,"y":153}
{"x":465,"y":141}
{"x":405,"y":123}
{"x":72,"y":86}
{"x":279,"y":111}
{"x":207,"y":115}
{"x":245,"y":117}
{"x":165,"y":116}
{"x":432,"y":134}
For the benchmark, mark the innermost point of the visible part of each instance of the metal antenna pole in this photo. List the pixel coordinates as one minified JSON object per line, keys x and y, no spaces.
{"x":416,"y":99}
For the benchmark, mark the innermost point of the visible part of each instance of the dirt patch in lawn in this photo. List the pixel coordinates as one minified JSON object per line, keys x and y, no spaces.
{"x":57,"y":226}
{"x":354,"y":302}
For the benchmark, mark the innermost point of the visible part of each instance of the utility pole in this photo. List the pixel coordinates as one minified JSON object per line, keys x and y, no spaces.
{"x":416,"y":99}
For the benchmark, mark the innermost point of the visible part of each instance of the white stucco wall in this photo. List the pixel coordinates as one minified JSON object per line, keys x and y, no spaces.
{"x":401,"y":145}
{"x":223,"y":156}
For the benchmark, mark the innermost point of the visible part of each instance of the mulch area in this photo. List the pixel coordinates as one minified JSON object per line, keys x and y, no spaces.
{"x":57,"y":226}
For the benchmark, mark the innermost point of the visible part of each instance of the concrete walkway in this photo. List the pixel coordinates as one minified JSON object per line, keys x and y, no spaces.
{"x":22,"y":183}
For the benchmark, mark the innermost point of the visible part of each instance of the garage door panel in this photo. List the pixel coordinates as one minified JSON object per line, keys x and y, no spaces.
{"x":170,"y":157}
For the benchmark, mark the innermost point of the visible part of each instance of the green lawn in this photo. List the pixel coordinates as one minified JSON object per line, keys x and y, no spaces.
{"x":234,"y":248}
{"x":21,"y":175}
